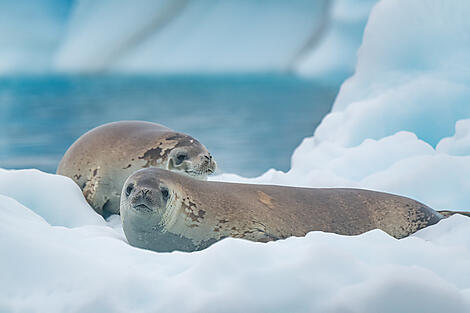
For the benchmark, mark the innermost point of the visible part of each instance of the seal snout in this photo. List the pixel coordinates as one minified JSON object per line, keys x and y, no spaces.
{"x":197,"y":163}
{"x":208,"y":163}
{"x":142,"y":199}
{"x":146,"y":194}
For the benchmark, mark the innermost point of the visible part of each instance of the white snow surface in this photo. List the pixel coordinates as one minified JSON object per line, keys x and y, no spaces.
{"x":91,"y":268}
{"x":400,"y":124}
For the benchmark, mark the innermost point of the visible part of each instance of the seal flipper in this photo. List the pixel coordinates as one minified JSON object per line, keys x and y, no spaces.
{"x":447,"y":213}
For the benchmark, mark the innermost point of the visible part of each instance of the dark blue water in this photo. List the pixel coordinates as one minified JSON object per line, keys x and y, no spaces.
{"x":249,"y":123}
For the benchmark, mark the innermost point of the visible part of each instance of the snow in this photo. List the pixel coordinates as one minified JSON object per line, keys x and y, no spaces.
{"x":459,"y":144}
{"x":399,"y":124}
{"x":55,"y":198}
{"x":91,"y":268}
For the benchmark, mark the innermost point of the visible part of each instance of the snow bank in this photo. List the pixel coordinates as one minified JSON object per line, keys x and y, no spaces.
{"x":55,"y":198}
{"x":90,"y":268}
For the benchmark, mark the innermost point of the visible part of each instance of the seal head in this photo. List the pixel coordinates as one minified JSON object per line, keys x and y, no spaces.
{"x":190,"y":157}
{"x":149,"y":207}
{"x":101,"y":160}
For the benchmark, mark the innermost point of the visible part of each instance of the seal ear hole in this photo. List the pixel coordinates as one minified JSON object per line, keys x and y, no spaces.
{"x":180,"y":157}
{"x":129,"y":189}
{"x":165,"y":193}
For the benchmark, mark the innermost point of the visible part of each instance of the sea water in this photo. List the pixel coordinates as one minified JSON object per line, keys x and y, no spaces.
{"x":250,"y":123}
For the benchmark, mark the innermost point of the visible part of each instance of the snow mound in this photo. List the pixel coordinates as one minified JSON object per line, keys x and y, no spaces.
{"x":55,"y":198}
{"x":91,"y":268}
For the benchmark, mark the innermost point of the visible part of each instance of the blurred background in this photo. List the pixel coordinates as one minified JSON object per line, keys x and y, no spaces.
{"x":248,"y":78}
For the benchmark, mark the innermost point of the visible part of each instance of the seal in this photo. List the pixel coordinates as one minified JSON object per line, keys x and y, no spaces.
{"x":101,"y":160}
{"x":165,"y":211}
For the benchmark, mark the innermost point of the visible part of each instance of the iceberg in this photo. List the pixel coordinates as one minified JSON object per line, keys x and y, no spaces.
{"x":400,"y":123}
{"x":317,"y":39}
{"x":188,"y":36}
{"x":29,"y":34}
{"x":333,"y":56}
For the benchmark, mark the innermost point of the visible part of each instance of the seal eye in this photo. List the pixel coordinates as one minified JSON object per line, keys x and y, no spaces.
{"x":165,"y":193}
{"x":129,"y":189}
{"x":181,"y":157}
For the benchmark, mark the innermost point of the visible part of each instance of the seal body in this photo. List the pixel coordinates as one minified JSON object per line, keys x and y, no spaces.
{"x":165,"y":211}
{"x":101,"y":160}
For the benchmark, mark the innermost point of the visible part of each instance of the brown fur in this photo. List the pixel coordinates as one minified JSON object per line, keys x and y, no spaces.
{"x":101,"y":160}
{"x":210,"y":211}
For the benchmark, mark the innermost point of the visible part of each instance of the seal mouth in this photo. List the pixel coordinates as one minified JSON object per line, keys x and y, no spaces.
{"x":195,"y":173}
{"x":142,"y":208}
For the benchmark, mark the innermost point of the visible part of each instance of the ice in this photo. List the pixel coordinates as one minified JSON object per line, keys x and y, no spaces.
{"x":90,"y":268}
{"x":29,"y":34}
{"x":94,"y":40}
{"x":333,"y":57}
{"x":55,"y":198}
{"x":459,"y":144}
{"x":188,"y":36}
{"x":400,"y":124}
{"x":315,"y":38}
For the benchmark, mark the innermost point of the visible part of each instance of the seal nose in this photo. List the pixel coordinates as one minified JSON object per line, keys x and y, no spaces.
{"x":142,"y":197}
{"x":208,"y":163}
{"x":207,"y":158}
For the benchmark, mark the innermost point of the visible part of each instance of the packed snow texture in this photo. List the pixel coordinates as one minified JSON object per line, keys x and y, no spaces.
{"x":400,"y":124}
{"x":91,"y":268}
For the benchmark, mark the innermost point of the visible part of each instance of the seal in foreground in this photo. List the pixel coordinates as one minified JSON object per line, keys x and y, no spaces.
{"x":165,"y":211}
{"x":101,"y":160}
